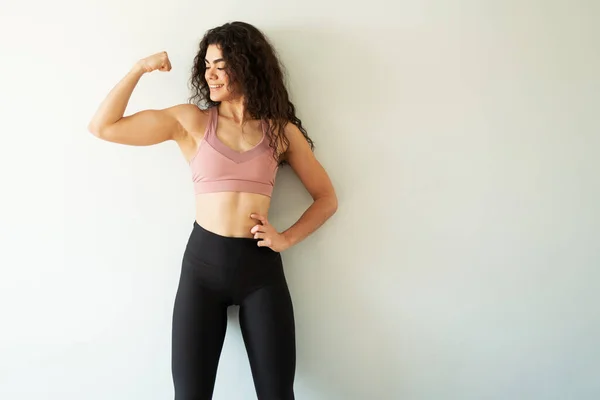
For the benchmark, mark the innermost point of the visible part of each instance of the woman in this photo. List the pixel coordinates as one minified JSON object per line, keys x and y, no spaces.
{"x":234,"y":146}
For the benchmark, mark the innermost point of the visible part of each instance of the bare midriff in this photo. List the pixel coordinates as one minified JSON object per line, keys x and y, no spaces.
{"x":228,"y":213}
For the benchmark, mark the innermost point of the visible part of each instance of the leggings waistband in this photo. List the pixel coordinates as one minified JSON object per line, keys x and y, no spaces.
{"x":212,"y":248}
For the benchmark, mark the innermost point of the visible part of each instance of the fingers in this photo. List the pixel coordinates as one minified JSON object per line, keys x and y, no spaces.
{"x":264,"y":243}
{"x":259,"y":217}
{"x":166,"y":65}
{"x":258,"y":228}
{"x":261,"y":231}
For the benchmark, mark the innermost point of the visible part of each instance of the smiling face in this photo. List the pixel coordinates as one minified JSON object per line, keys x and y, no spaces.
{"x":216,"y":75}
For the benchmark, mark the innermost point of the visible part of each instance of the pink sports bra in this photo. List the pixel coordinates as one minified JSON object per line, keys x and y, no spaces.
{"x":218,"y":168}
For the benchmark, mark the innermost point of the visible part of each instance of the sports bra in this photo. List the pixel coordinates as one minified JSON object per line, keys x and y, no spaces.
{"x":218,"y":168}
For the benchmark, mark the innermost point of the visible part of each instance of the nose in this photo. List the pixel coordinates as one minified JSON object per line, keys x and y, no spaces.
{"x":210,"y":73}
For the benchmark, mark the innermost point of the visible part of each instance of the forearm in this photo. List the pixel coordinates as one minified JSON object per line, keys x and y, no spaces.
{"x":315,"y":216}
{"x":113,"y":107}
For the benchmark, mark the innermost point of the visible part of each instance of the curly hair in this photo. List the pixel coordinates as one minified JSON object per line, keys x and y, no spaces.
{"x":253,"y":66}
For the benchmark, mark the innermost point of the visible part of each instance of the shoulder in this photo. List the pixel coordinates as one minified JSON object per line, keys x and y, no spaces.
{"x":188,"y":114}
{"x":296,"y":141}
{"x":190,"y":117}
{"x":292,"y":131}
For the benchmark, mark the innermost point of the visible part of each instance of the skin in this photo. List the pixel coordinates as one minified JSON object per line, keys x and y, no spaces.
{"x":233,"y":214}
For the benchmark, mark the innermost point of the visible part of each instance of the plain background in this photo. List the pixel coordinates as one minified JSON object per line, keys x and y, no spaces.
{"x":462,"y":138}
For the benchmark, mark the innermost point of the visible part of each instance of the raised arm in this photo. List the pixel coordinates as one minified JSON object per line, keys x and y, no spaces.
{"x":143,"y":128}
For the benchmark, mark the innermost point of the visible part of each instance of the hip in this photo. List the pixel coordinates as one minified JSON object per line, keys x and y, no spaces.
{"x":231,"y":266}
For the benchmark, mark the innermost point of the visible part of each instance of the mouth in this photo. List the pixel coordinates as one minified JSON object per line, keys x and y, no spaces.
{"x":215,"y":87}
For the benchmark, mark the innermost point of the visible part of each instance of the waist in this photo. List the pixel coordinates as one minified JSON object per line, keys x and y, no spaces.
{"x":228,"y":213}
{"x":208,"y":248}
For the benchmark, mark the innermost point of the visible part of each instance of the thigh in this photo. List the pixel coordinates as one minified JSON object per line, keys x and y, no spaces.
{"x":267,"y":324}
{"x":199,"y":325}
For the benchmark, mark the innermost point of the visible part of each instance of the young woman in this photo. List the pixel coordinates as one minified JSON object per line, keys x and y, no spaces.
{"x":241,"y":128}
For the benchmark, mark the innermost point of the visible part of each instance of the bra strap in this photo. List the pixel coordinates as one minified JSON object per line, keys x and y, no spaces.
{"x":211,"y":126}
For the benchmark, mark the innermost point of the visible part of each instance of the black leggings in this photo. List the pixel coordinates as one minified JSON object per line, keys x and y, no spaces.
{"x":217,"y":272}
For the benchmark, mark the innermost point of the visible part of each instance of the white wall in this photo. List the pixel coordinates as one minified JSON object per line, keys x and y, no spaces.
{"x":462,"y":138}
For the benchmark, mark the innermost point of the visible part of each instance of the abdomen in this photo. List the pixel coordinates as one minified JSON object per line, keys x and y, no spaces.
{"x":228,"y":213}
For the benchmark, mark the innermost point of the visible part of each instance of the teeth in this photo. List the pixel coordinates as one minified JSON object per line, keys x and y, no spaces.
{"x":215,"y":86}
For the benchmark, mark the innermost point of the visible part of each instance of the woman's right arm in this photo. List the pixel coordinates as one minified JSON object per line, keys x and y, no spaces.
{"x":143,"y":128}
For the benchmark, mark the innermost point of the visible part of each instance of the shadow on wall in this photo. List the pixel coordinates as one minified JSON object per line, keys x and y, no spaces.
{"x":340,"y":81}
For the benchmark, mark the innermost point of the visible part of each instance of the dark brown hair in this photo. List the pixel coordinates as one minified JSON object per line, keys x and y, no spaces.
{"x":252,"y":66}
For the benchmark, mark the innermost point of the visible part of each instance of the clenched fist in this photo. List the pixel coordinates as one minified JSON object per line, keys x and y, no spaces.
{"x":159,"y":61}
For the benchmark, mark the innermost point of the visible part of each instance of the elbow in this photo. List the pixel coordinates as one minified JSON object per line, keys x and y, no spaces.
{"x":93,"y":129}
{"x":96,"y":130}
{"x":332,"y":204}
{"x":327,"y":204}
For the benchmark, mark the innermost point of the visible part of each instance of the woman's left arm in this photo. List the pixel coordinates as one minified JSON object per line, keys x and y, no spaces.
{"x":316,"y":181}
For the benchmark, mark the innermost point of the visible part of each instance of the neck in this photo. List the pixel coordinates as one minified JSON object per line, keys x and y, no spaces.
{"x":235,"y":110}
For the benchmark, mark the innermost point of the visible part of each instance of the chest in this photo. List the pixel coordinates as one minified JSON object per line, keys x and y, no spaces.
{"x":239,"y":138}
